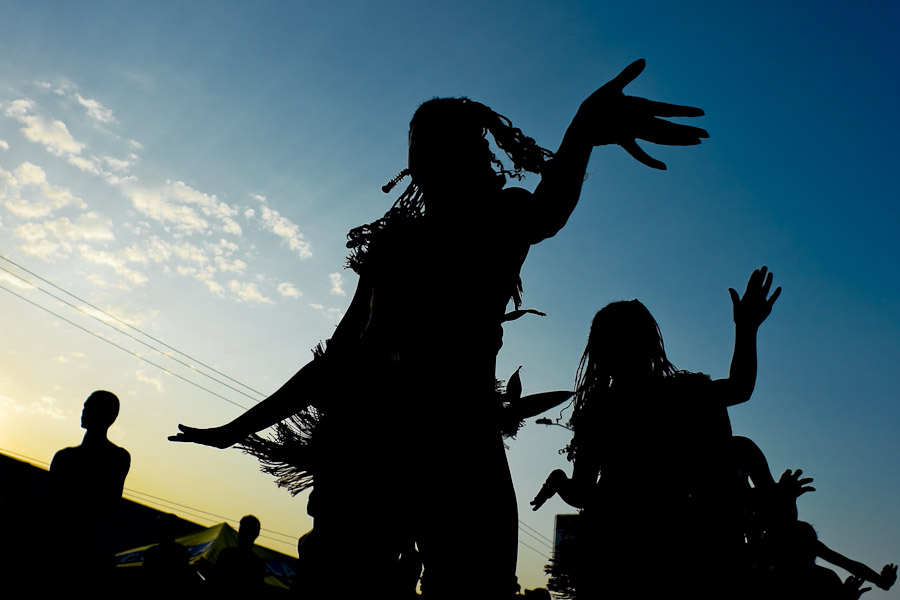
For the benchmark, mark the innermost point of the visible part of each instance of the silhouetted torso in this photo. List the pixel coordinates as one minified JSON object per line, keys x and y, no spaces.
{"x":87,"y":480}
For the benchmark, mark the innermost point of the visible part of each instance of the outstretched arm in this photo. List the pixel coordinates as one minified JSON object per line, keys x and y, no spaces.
{"x":295,"y":395}
{"x":749,"y":313}
{"x":884,"y":580}
{"x":607,"y":116}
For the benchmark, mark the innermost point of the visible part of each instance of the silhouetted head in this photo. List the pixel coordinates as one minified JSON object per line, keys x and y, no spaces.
{"x":448,"y":148}
{"x":100,"y":411}
{"x":166,"y":525}
{"x":625,"y":341}
{"x":248,"y":530}
{"x":449,"y":155}
{"x":624,"y":345}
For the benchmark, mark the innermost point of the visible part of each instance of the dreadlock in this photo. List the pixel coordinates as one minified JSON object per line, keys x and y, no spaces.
{"x":522,"y":150}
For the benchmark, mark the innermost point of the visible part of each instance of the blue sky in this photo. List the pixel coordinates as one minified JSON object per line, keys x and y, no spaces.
{"x":194,"y":168}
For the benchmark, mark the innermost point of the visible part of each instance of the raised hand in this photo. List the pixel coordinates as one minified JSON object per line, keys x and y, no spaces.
{"x":793,"y":486}
{"x":610,"y":117}
{"x":853,"y":588}
{"x":755,"y":306}
{"x":217,"y":437}
{"x":888,"y":577}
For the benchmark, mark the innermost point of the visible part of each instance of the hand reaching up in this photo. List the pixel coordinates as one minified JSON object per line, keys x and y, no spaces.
{"x":756,"y":304}
{"x":793,"y":486}
{"x":608,"y":116}
{"x":888,"y":577}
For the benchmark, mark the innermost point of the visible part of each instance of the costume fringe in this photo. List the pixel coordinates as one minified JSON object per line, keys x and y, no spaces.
{"x":288,"y":453}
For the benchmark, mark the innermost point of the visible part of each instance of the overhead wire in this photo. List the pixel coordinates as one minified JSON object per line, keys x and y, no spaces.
{"x":123,"y":348}
{"x":530,"y":531}
{"x":146,"y":498}
{"x":125,"y":333}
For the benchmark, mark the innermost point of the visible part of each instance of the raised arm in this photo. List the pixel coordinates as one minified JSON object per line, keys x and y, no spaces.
{"x":749,"y":313}
{"x":308,"y":384}
{"x":607,"y":116}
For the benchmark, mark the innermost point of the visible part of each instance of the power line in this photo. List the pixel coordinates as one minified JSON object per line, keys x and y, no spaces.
{"x":136,"y":495}
{"x":528,"y":533}
{"x":126,"y":324}
{"x":108,"y":341}
{"x":203,"y":511}
{"x":543,"y":537}
{"x":521,"y":543}
{"x":125,"y":333}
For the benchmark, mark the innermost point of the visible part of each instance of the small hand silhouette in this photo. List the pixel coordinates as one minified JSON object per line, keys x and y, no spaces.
{"x":611,"y":117}
{"x":217,"y":437}
{"x":888,"y":576}
{"x":791,"y":483}
{"x":853,"y":588}
{"x":754,"y":307}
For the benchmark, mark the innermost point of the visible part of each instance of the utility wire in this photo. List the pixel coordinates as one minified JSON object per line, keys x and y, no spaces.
{"x":543,"y":537}
{"x":108,"y":341}
{"x":219,"y":517}
{"x":126,"y":324}
{"x":125,"y":333}
{"x":533,"y":533}
{"x":521,"y":543}
{"x":158,"y":501}
{"x":528,"y":533}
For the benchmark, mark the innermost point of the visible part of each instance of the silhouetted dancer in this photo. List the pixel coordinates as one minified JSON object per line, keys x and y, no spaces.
{"x":790,"y":570}
{"x":166,"y":569}
{"x":239,"y":571}
{"x":782,"y":551}
{"x":660,"y":440}
{"x":86,"y":485}
{"x":375,"y":416}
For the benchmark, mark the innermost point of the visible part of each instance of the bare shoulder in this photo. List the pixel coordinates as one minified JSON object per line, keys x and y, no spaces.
{"x":63,"y":457}
{"x":122,"y":454}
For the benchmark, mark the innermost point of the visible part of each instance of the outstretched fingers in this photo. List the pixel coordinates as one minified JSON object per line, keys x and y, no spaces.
{"x":664,"y":109}
{"x":183,"y":435}
{"x":639,"y":155}
{"x":627,"y":75}
{"x":660,"y":131}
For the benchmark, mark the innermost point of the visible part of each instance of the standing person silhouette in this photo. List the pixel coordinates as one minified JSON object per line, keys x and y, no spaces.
{"x":418,"y":346}
{"x":239,"y":571}
{"x":86,"y":483}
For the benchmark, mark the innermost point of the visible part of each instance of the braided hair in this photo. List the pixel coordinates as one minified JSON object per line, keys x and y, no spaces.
{"x":450,"y":114}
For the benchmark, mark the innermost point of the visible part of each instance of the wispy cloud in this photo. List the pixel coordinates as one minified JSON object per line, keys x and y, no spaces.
{"x":114,"y":262}
{"x":174,"y":203}
{"x":332,"y":314}
{"x":288,"y":290}
{"x":337,"y":284}
{"x":27,"y":193}
{"x":248,"y":292}
{"x":153,"y":381}
{"x":47,"y":239}
{"x":47,"y":406}
{"x":54,"y":135}
{"x":95,"y":110}
{"x":286,"y":230}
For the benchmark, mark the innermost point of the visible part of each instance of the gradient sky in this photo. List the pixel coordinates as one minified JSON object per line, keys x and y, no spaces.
{"x":193,"y":169}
